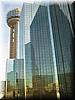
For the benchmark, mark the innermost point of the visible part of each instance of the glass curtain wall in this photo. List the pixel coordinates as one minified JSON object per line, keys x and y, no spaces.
{"x":63,"y":34}
{"x":46,"y":21}
{"x":42,"y":58}
{"x":27,"y":14}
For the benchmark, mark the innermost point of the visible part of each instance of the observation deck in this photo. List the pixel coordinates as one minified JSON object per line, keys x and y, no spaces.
{"x":13,"y":16}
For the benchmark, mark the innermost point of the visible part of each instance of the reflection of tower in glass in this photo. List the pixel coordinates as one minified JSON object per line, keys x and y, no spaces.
{"x":13,"y":23}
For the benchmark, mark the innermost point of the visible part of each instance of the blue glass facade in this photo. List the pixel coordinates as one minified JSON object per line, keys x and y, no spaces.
{"x":42,"y":49}
{"x":27,"y":14}
{"x":42,"y":57}
{"x":62,"y":34}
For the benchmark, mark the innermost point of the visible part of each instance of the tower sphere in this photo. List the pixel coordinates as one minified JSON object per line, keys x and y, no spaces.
{"x":13,"y":16}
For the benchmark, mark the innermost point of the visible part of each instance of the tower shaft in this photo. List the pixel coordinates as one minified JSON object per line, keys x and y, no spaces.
{"x":13,"y":41}
{"x":13,"y":23}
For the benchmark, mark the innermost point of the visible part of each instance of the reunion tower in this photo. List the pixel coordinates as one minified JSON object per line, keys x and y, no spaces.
{"x":13,"y":17}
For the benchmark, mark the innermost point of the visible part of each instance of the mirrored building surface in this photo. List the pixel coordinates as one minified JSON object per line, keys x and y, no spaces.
{"x":51,"y":39}
{"x":27,"y":14}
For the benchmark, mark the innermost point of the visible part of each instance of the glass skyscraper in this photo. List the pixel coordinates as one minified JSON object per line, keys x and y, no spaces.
{"x":26,"y":17}
{"x":61,"y":25}
{"x":51,"y":38}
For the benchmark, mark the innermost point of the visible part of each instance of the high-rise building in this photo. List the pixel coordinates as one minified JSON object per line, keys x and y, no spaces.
{"x":13,"y":22}
{"x":42,"y":53}
{"x":62,"y":25}
{"x":26,"y":17}
{"x":27,"y":14}
{"x":51,"y":38}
